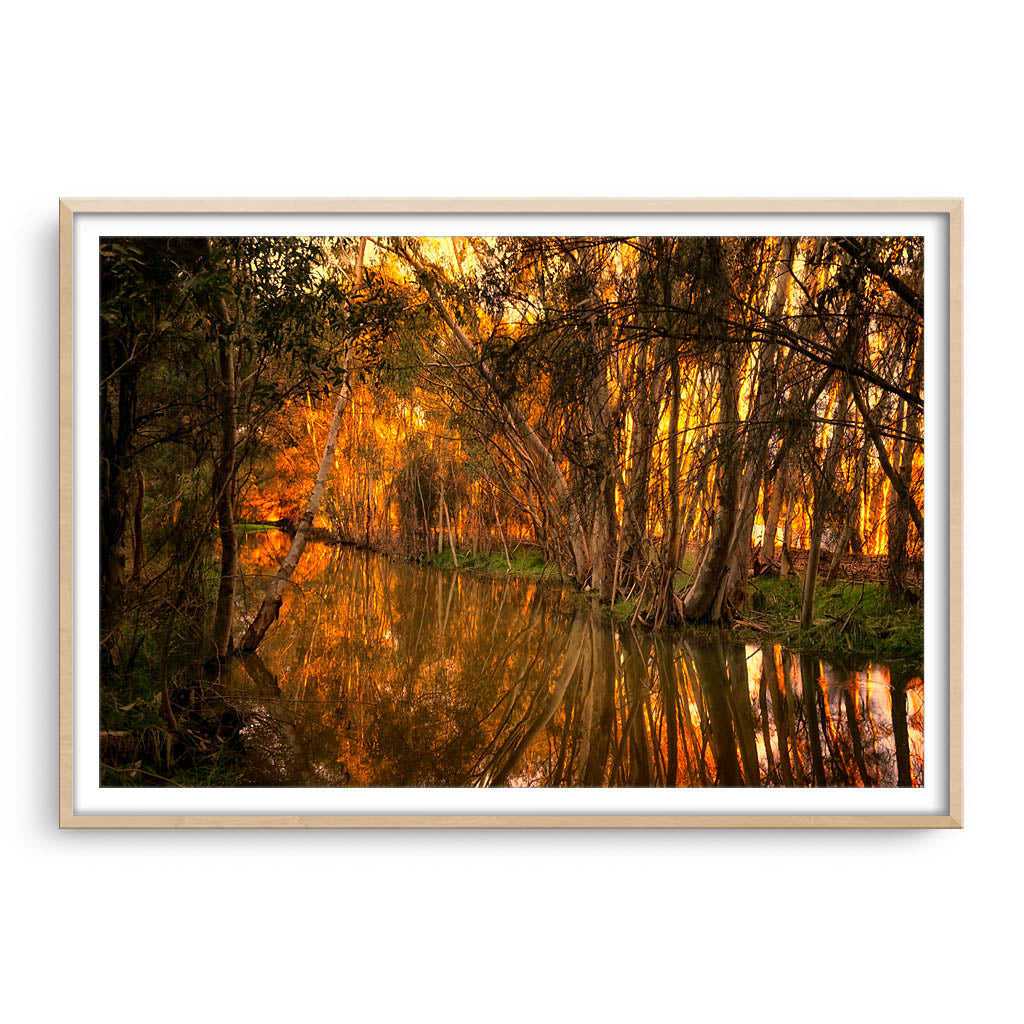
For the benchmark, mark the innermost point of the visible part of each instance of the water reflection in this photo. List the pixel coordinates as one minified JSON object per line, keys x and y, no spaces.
{"x":381,"y":673}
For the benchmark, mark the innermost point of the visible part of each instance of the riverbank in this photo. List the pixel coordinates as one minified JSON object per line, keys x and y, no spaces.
{"x":529,"y":564}
{"x":851,"y":620}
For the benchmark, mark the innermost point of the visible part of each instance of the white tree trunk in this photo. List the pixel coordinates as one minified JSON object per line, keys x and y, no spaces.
{"x":275,"y":591}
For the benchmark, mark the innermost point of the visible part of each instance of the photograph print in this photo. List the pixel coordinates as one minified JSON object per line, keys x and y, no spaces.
{"x":511,"y":511}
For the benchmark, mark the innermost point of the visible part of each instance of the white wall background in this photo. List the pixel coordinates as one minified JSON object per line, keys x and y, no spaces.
{"x":873,"y":98}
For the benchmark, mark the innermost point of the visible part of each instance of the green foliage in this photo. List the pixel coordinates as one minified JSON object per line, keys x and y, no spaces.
{"x":247,"y":528}
{"x":685,"y":573}
{"x":849,"y":618}
{"x":528,"y":563}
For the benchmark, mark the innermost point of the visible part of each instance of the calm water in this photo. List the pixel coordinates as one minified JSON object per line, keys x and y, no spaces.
{"x":381,"y":673}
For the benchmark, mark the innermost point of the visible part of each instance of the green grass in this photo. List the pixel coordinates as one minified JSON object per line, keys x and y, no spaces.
{"x":685,"y":572}
{"x":849,"y":618}
{"x":244,"y":528}
{"x":528,"y":563}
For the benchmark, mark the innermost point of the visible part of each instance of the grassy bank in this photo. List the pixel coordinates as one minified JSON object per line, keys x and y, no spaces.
{"x":530,"y":564}
{"x":850,"y":619}
{"x":242,"y":529}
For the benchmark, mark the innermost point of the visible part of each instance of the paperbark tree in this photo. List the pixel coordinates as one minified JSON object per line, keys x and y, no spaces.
{"x":516,"y":421}
{"x":824,"y":500}
{"x":271,"y":606}
{"x":701,"y":594}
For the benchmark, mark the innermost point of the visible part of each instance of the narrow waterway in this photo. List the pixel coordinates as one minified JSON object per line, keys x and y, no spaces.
{"x":382,"y":673}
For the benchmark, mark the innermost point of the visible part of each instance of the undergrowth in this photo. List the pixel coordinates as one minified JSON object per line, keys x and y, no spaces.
{"x":849,"y":618}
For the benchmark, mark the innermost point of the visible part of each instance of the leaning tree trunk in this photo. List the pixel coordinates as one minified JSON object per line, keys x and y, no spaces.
{"x":874,"y":432}
{"x":271,"y":606}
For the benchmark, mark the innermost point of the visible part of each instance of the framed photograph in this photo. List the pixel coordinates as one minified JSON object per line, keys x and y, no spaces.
{"x":510,"y":513}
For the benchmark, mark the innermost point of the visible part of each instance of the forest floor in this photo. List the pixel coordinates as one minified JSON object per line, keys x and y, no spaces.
{"x":851,"y":620}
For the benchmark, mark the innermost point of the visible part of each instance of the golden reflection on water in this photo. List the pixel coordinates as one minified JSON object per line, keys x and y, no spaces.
{"x":381,"y":673}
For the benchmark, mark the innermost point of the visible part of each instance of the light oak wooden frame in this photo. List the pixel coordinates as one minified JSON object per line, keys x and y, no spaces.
{"x":951,"y":207}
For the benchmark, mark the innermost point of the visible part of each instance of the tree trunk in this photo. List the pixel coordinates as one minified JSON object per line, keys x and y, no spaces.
{"x":898,"y":483}
{"x":900,"y":731}
{"x":735,"y":489}
{"x":785,"y":563}
{"x":668,"y":604}
{"x":440,"y":520}
{"x":700,"y":597}
{"x":810,"y":577}
{"x":672,"y":556}
{"x":841,"y":545}
{"x":636,"y":490}
{"x":809,"y":692}
{"x":606,"y":518}
{"x":774,"y":511}
{"x":224,"y":481}
{"x":899,"y":507}
{"x":451,"y":534}
{"x":758,"y":429}
{"x":824,"y":502}
{"x":271,"y":605}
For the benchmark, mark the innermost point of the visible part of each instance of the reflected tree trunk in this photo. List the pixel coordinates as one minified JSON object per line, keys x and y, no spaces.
{"x":635,"y":688}
{"x":900,"y":732}
{"x":603,"y":689}
{"x":853,"y":721}
{"x":780,"y":711}
{"x":709,"y":663}
{"x":739,"y":693}
{"x":573,"y":653}
{"x":766,"y":728}
{"x":809,"y":688}
{"x":670,"y":706}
